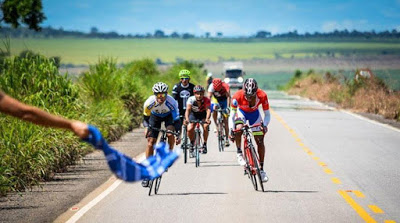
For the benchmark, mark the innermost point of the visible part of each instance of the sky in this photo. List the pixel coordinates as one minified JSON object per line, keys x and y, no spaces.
{"x":231,"y":17}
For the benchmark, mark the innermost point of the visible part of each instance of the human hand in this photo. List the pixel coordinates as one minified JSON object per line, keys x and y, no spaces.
{"x":178,"y":140}
{"x":80,"y":129}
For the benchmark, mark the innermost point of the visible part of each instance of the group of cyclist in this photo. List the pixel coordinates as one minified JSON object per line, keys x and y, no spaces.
{"x":189,"y":103}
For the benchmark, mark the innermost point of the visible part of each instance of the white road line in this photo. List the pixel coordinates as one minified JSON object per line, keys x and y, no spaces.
{"x":100,"y":197}
{"x":92,"y":203}
{"x":371,"y":121}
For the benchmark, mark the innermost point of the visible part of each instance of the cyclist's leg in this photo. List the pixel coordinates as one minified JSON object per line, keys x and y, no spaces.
{"x":224,"y":105}
{"x":152,"y":135}
{"x":169,"y":125}
{"x":239,"y":120}
{"x":213,"y":107}
{"x":191,"y":126}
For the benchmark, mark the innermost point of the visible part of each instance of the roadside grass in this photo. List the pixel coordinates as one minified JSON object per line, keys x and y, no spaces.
{"x":78,"y":51}
{"x":370,"y":95}
{"x":106,"y":96}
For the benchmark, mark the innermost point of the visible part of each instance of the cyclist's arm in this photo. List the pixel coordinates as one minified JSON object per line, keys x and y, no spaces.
{"x":13,"y":107}
{"x":267,"y":117}
{"x":175,"y":92}
{"x":188,"y":109}
{"x":208,"y":110}
{"x":232,"y":115}
{"x":228,"y":96}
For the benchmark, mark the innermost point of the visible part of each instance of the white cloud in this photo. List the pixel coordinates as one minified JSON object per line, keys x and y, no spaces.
{"x":330,"y":26}
{"x":227,"y":28}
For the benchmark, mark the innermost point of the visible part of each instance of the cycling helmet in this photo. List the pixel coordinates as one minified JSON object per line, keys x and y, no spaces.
{"x":198,"y":88}
{"x":209,"y":74}
{"x":160,"y":87}
{"x":217,"y":83}
{"x":250,"y":86}
{"x":184,"y":73}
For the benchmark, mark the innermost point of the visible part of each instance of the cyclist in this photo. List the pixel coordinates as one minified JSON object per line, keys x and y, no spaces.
{"x":13,"y":107}
{"x":198,"y":108}
{"x":245,"y":103}
{"x":220,"y":96}
{"x":182,"y":91}
{"x":159,"y":108}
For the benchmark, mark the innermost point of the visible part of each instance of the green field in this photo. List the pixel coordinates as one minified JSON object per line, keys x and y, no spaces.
{"x":87,"y":51}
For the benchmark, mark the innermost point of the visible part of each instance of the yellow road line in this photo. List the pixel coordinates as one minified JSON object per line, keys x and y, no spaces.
{"x":358,"y":193}
{"x":328,"y":171}
{"x":390,"y":221}
{"x":360,"y":211}
{"x":315,"y":158}
{"x":336,"y":180}
{"x":375,"y":209}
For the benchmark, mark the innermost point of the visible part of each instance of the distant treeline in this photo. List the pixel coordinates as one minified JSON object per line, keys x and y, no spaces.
{"x":49,"y":32}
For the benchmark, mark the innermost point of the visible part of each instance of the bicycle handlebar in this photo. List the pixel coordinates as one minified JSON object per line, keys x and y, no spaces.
{"x":246,"y":127}
{"x":164,"y":131}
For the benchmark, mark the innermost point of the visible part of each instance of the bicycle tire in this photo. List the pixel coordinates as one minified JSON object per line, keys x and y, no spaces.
{"x":257,"y":167}
{"x":197,"y":148}
{"x":157,"y":184}
{"x":150,"y":186}
{"x":184,"y":144}
{"x":250,"y":168}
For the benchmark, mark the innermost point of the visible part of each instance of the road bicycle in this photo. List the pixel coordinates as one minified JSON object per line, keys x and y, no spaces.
{"x":252,"y":168}
{"x":198,"y":141}
{"x":221,"y":129}
{"x":156,"y":182}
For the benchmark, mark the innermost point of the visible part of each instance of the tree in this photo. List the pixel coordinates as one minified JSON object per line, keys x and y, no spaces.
{"x":29,"y":12}
{"x":263,"y":34}
{"x":94,"y":30}
{"x":159,"y":34}
{"x":174,"y":35}
{"x":219,"y":34}
{"x":208,"y":34}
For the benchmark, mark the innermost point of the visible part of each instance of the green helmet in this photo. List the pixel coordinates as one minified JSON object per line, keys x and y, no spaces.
{"x":184,"y":73}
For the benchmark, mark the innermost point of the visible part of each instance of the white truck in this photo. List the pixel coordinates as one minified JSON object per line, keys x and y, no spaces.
{"x":233,"y":74}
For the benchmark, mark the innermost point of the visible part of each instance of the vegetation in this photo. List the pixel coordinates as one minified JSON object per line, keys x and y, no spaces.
{"x":28,"y":12}
{"x":49,"y":32}
{"x":106,"y":96}
{"x":370,"y":95}
{"x":84,"y":51}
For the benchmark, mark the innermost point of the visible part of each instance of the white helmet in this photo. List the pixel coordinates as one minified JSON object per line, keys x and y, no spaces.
{"x":209,"y":74}
{"x":160,"y":87}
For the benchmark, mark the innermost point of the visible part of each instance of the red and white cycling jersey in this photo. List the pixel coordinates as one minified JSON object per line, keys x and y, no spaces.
{"x":239,"y":100}
{"x":198,"y":107}
{"x":221,"y":94}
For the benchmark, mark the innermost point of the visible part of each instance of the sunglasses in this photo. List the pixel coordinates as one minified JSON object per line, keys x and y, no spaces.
{"x":161,"y":95}
{"x":185,"y":79}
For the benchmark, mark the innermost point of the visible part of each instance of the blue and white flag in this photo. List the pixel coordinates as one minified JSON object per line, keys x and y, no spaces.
{"x":127,"y":169}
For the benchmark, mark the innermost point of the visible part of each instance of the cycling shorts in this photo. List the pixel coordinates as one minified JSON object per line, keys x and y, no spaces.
{"x":197,"y":116}
{"x":155,"y":121}
{"x":218,"y":104}
{"x":254,"y":117}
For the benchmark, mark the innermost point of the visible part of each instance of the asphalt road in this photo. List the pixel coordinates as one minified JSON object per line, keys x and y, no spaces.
{"x":324,"y":165}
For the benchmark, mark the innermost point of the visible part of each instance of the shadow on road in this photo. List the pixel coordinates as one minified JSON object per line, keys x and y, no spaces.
{"x":288,"y":191}
{"x":194,"y":193}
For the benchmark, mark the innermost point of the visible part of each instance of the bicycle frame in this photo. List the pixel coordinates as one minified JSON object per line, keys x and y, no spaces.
{"x":198,"y":145}
{"x":221,"y":129}
{"x":252,"y":168}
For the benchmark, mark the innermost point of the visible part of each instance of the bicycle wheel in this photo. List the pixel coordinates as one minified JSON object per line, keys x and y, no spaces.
{"x":157,"y":184}
{"x":257,"y":167}
{"x":184,"y":144}
{"x":150,"y":186}
{"x":250,"y":168}
{"x":197,"y":148}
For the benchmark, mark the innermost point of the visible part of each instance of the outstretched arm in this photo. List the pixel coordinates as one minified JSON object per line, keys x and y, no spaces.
{"x":13,"y":107}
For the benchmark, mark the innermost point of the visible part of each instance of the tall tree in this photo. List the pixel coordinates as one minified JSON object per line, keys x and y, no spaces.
{"x":17,"y":12}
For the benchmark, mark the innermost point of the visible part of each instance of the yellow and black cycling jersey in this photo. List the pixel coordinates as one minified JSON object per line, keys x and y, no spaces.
{"x":170,"y":106}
